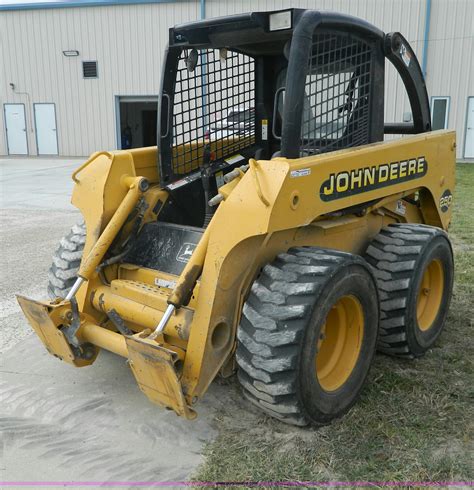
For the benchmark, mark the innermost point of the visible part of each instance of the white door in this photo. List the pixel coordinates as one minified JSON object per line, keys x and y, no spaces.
{"x":15,"y":126}
{"x":45,"y":123}
{"x":469,"y":145}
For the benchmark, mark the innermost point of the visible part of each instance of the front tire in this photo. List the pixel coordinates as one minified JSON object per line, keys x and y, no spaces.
{"x":66,"y":261}
{"x":307,"y":335}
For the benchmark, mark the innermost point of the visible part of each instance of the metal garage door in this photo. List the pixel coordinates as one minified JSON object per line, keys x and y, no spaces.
{"x":469,"y":142}
{"x":45,"y":124}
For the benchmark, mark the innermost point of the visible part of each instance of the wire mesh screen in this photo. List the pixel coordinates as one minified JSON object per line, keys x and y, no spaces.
{"x":214,"y":102}
{"x":337,"y":94}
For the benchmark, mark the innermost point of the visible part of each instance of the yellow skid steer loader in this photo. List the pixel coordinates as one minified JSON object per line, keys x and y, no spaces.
{"x":272,"y":230}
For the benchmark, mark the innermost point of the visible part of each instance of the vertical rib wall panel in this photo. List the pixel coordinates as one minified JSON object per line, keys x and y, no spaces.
{"x":450,"y":45}
{"x":4,"y":62}
{"x":128,"y":43}
{"x":450,"y":67}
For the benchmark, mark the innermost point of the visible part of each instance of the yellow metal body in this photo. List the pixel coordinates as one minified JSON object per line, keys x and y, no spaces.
{"x":275,"y":205}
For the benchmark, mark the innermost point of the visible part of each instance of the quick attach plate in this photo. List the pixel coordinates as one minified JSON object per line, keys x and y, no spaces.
{"x":154,"y":369}
{"x":45,"y":320}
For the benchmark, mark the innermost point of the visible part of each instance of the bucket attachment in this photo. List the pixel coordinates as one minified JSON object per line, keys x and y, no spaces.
{"x":154,"y":369}
{"x":44,"y":318}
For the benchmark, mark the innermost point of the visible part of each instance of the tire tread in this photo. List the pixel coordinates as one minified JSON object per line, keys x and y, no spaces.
{"x":393,"y":255}
{"x":66,"y":261}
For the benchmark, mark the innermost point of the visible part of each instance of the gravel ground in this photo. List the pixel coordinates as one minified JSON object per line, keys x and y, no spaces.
{"x":28,"y":239}
{"x":60,"y":423}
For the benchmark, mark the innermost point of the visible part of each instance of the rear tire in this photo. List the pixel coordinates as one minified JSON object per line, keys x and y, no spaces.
{"x":66,"y":262}
{"x":414,"y":268}
{"x":286,"y":368}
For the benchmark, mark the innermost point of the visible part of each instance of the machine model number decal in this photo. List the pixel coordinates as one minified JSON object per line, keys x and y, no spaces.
{"x":357,"y":181}
{"x":445,"y":200}
{"x":300,"y":173}
{"x":185,"y":252}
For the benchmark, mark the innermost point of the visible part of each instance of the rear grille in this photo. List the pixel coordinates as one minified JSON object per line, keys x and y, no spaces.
{"x":337,"y":94}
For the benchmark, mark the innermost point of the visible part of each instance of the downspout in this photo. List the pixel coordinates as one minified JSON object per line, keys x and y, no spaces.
{"x":29,"y":111}
{"x":424,"y":61}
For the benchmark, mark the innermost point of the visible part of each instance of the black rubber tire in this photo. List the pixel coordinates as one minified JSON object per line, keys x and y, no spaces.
{"x":280,"y":325}
{"x":66,"y":262}
{"x":399,"y":255}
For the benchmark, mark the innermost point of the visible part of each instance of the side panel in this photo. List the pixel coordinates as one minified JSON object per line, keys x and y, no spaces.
{"x":346,"y":178}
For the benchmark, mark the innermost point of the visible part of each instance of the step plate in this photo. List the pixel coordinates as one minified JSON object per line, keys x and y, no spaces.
{"x":164,"y":247}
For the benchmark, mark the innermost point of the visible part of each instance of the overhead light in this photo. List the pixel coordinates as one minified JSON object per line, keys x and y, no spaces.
{"x":71,"y":52}
{"x":280,"y":21}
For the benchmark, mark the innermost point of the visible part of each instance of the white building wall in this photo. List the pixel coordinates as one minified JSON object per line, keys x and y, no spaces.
{"x":128,"y":43}
{"x":450,"y":61}
{"x":450,"y":65}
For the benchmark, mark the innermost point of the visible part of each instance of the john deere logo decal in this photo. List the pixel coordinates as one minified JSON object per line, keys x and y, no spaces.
{"x":348,"y":183}
{"x":185,"y":252}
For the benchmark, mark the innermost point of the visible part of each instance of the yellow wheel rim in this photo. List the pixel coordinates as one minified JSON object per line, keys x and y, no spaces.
{"x":339,"y":343}
{"x":430,"y":295}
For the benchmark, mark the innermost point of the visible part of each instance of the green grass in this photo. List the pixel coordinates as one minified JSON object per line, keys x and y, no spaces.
{"x":413,"y":422}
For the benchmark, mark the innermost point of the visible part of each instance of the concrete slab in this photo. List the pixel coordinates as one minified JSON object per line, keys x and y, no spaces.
{"x":28,"y":239}
{"x":37,"y":183}
{"x":59,"y":423}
